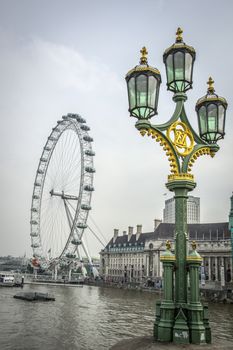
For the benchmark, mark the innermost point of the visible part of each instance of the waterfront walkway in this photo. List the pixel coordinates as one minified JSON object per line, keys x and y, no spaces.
{"x":148,"y":343}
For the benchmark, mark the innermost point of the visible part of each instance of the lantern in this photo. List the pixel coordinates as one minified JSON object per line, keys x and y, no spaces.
{"x":179,"y":59}
{"x":143,"y":84}
{"x":211,"y":113}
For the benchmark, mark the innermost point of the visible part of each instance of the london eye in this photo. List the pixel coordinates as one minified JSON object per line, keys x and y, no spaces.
{"x":62,"y":192}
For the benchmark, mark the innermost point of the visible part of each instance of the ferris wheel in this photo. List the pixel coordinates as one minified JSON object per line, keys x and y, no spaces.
{"x":62,"y":194}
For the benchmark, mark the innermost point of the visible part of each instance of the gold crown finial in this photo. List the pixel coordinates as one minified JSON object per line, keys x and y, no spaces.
{"x":144,"y":52}
{"x":210,"y":83}
{"x":168,"y":245}
{"x":179,"y":36}
{"x":194,"y":245}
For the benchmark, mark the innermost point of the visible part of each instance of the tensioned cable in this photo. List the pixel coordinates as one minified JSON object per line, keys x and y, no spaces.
{"x":96,"y":236}
{"x":93,"y":221}
{"x":92,"y":231}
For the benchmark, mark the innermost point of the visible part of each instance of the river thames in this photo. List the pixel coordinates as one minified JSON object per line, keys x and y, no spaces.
{"x":86,"y":318}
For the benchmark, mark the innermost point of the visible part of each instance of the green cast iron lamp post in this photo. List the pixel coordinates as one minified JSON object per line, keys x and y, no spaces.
{"x":180,"y":316}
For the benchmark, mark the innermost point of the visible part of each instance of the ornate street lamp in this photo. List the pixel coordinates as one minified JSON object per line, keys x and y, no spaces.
{"x":211,"y":112}
{"x":179,"y":59}
{"x":143,"y":83}
{"x":180,"y":316}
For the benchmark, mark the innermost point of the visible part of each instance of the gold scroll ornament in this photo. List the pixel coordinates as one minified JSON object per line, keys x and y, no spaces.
{"x":181,"y":137}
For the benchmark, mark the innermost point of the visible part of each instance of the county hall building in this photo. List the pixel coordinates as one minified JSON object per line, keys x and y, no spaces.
{"x":134,"y":256}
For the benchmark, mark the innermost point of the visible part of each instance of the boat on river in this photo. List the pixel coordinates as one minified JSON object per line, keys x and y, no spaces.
{"x":7,"y":280}
{"x":33,"y":296}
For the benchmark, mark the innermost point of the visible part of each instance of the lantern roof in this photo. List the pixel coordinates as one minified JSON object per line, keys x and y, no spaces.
{"x":211,"y":96}
{"x":143,"y":65}
{"x":179,"y":45}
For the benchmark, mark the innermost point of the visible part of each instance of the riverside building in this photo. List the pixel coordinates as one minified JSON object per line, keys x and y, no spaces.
{"x":135,"y":256}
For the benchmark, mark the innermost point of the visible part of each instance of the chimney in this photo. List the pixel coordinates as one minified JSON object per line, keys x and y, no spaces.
{"x":157,"y":222}
{"x":115,"y":234}
{"x":124,"y":233}
{"x":130,"y":232}
{"x":139,"y":231}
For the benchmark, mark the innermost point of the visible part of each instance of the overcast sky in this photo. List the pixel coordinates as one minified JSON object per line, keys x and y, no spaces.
{"x":67,"y":56}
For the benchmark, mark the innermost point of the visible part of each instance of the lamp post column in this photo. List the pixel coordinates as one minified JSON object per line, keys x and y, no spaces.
{"x":181,"y":188}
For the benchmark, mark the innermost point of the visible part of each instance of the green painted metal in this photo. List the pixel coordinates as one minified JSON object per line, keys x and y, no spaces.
{"x":179,"y":114}
{"x":145,"y":125}
{"x":179,"y":319}
{"x":157,"y":318}
{"x":196,"y":148}
{"x":181,"y":189}
{"x":180,"y":316}
{"x":181,"y":329}
{"x":167,"y":307}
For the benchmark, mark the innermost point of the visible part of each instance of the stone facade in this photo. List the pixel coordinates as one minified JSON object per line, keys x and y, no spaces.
{"x":135,"y":257}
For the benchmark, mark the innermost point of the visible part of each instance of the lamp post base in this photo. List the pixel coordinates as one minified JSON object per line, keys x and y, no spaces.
{"x":181,"y":329}
{"x":148,"y":343}
{"x":186,"y":324}
{"x":165,"y":325}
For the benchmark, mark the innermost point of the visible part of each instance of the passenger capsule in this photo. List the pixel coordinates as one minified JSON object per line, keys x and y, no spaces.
{"x":35,"y":245}
{"x":34,"y":234}
{"x":81,"y":225}
{"x":34,"y":222}
{"x":89,"y":152}
{"x":85,"y":127}
{"x":89,"y":169}
{"x":76,"y":242}
{"x":88,"y":188}
{"x":70,"y":256}
{"x":87,"y":138}
{"x":85,"y":207}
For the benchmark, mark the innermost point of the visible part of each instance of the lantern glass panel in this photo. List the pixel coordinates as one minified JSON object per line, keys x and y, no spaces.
{"x":131,"y":93}
{"x":212,"y":111}
{"x":179,"y":69}
{"x":170,"y":68}
{"x":152,"y":91}
{"x":142,"y":91}
{"x":221,"y":113}
{"x":202,"y":119}
{"x":188,"y":66}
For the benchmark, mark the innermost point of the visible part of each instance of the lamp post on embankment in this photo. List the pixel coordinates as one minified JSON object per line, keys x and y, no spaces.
{"x":180,"y":316}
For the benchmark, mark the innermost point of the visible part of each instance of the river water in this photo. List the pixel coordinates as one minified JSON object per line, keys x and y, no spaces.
{"x":86,"y":318}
